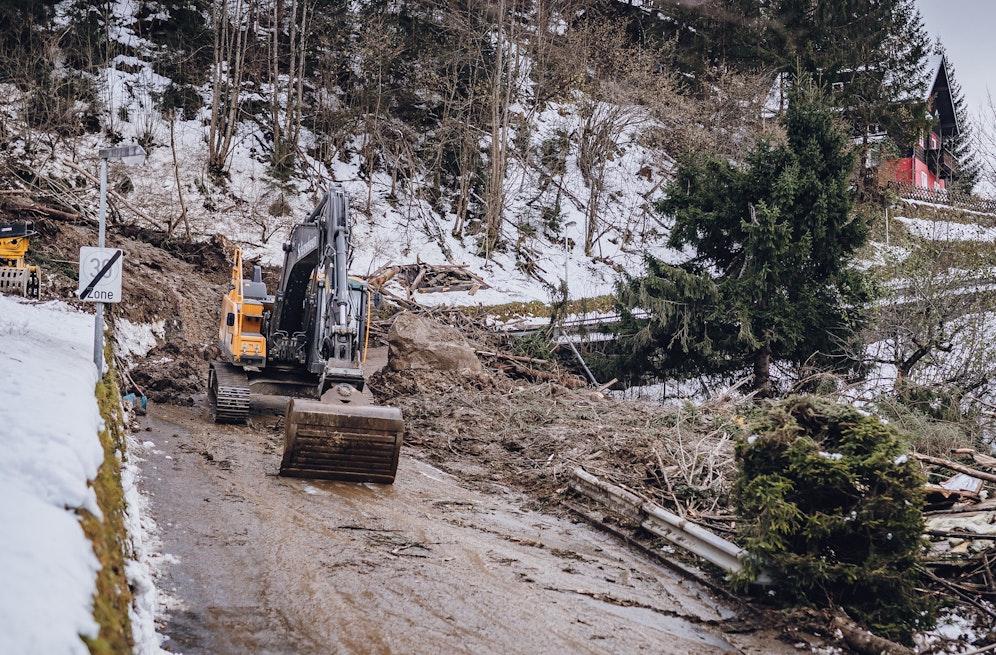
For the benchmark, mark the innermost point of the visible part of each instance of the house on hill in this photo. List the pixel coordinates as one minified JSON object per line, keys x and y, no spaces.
{"x":928,"y":164}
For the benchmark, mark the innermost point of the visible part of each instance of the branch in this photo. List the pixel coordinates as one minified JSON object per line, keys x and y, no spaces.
{"x":954,"y":466}
{"x":110,"y":193}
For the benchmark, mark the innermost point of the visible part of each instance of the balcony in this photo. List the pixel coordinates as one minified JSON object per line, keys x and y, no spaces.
{"x":940,"y":161}
{"x":943,"y":163}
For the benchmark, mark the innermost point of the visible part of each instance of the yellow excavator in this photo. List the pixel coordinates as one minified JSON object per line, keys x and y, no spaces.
{"x":307,"y":341}
{"x":16,"y":276}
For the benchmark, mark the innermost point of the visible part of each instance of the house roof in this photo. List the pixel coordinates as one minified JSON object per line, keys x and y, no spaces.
{"x":931,"y":67}
{"x":938,"y":89}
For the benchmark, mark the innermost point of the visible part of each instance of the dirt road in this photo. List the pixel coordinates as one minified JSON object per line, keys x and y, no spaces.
{"x":265,"y":564}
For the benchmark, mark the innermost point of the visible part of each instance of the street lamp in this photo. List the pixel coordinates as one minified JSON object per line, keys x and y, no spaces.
{"x":128,"y":155}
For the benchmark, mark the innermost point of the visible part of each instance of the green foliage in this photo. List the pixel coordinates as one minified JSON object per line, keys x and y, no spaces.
{"x":772,"y":241}
{"x":23,"y":41}
{"x":112,"y":601}
{"x":830,"y":500}
{"x":876,"y":60}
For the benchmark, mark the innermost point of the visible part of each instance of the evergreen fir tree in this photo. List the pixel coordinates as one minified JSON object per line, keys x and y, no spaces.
{"x":769,"y":279}
{"x":870,"y":49}
{"x":960,"y":145}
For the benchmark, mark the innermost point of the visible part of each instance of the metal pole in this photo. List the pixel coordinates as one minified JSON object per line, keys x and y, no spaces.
{"x":887,"y":226}
{"x":567,"y":288}
{"x":98,"y":320}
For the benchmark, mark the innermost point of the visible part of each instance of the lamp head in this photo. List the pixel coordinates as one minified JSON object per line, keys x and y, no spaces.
{"x":129,"y":155}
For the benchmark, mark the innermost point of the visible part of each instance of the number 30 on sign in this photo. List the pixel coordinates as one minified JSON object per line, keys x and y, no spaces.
{"x":100,"y":274}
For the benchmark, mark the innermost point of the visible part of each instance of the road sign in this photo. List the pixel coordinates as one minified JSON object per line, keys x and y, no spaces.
{"x":100,"y":274}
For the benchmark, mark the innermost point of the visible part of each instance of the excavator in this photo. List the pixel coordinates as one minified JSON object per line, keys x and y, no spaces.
{"x":16,"y":276}
{"x":307,"y":341}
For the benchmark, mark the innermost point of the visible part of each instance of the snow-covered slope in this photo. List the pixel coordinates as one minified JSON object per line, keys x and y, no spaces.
{"x":49,"y":430}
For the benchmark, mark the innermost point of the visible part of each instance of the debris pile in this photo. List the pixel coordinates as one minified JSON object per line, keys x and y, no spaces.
{"x":961,"y":526}
{"x":429,"y":278}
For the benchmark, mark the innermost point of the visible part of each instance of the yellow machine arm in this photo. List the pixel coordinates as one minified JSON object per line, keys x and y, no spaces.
{"x":240,"y":334}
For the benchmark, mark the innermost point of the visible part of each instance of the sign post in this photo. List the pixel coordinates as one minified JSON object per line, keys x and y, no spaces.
{"x":100,"y":268}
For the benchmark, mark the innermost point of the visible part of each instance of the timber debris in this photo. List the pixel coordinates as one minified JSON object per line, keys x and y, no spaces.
{"x":429,"y":278}
{"x":961,"y":527}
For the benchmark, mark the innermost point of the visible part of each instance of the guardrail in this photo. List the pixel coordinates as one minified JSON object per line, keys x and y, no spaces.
{"x":657,"y":520}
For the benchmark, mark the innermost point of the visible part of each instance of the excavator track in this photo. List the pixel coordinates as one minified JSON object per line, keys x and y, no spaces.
{"x":228,"y":391}
{"x":342,"y":441}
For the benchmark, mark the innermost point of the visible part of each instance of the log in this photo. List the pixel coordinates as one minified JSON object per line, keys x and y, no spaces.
{"x":383,"y":275}
{"x":511,"y":358}
{"x":961,"y":535}
{"x":863,"y":641}
{"x":608,"y":384}
{"x":16,"y":205}
{"x":954,"y":466}
{"x":980,"y":459}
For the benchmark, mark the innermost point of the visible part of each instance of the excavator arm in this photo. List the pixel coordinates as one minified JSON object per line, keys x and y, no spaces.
{"x":318,"y":313}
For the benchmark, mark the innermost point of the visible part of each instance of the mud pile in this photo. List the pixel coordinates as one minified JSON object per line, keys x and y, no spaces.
{"x":176,"y":285}
{"x":494,"y":430}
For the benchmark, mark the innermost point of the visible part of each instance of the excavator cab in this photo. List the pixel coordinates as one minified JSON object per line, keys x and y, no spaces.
{"x":16,"y":276}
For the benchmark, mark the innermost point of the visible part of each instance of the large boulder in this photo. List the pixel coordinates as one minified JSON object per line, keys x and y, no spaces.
{"x":416,"y":342}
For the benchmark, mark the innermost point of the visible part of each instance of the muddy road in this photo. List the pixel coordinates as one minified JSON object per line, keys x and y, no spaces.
{"x":264,"y":564}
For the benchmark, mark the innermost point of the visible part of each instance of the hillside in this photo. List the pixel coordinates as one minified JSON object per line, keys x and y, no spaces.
{"x":516,"y":156}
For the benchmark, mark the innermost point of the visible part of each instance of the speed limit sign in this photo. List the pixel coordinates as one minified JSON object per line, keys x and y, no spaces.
{"x":100,"y":274}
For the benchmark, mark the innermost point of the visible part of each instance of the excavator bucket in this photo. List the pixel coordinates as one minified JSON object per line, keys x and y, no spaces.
{"x":20,"y":280}
{"x":16,"y":276}
{"x":349,"y":441}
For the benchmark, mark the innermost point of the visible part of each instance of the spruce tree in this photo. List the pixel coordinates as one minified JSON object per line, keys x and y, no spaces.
{"x":769,"y":278}
{"x":960,"y":145}
{"x":870,"y":50}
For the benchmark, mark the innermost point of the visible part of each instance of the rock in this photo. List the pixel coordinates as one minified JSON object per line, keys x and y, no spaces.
{"x":415,"y":342}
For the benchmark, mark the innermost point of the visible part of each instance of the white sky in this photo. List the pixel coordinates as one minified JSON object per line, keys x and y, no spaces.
{"x":965,"y":27}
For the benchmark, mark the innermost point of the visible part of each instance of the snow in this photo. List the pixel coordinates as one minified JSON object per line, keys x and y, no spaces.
{"x":52,"y":450}
{"x":148,"y":559}
{"x":136,"y":339}
{"x":947,"y":230}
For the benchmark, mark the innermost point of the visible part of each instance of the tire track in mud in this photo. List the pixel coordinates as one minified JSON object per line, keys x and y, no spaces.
{"x":273,"y":565}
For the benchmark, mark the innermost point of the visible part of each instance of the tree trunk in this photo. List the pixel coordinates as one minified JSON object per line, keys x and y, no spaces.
{"x":230,"y":43}
{"x":762,"y":370}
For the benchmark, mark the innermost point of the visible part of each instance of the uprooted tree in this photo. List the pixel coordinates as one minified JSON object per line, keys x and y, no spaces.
{"x":831,"y":502}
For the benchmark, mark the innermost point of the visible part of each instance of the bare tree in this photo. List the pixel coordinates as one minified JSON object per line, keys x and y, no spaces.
{"x":231,"y":21}
{"x":984,"y":143}
{"x":287,"y":103}
{"x":504,"y":70}
{"x":933,"y":326}
{"x":380,"y":46}
{"x":172,"y":224}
